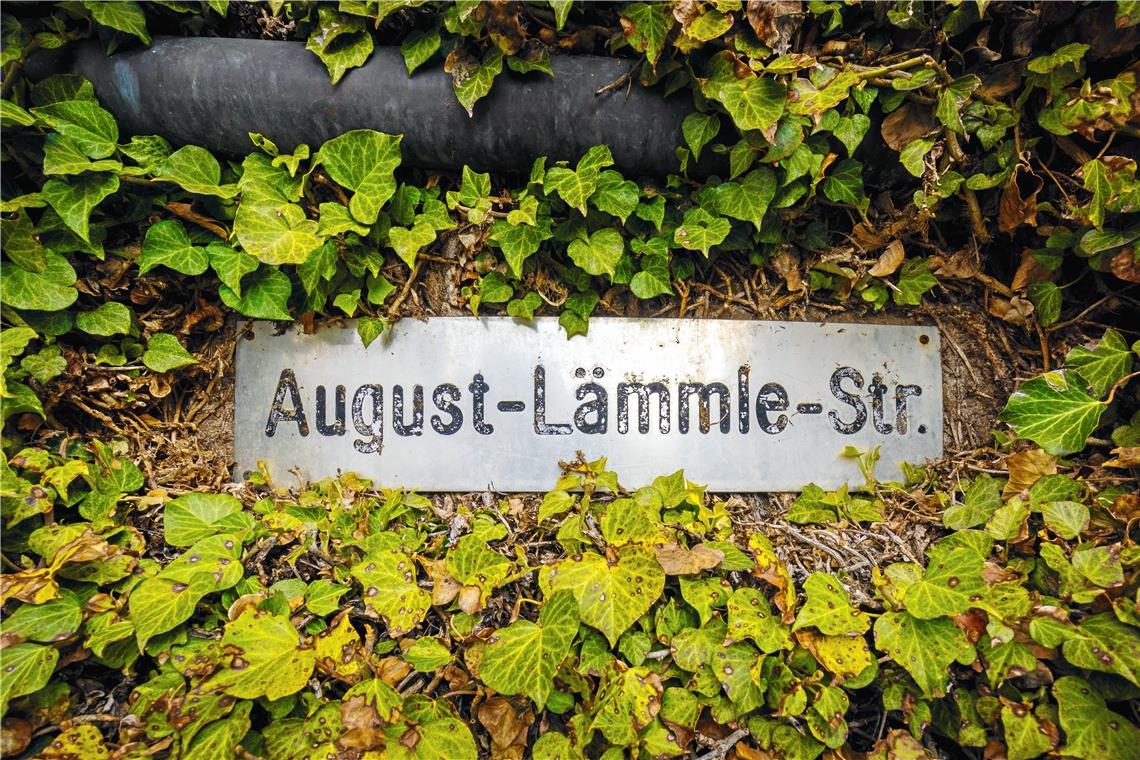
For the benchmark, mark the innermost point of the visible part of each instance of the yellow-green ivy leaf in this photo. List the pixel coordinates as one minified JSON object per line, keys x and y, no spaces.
{"x":75,"y":199}
{"x":266,"y":658}
{"x":1103,"y":366}
{"x":195,"y":170}
{"x":1054,"y":411}
{"x":342,"y":42}
{"x":828,"y":608}
{"x":167,"y":244}
{"x":523,"y":657}
{"x":388,"y":577}
{"x":600,"y":253}
{"x":611,"y":594}
{"x":164,"y":353}
{"x":925,"y":648}
{"x":363,"y":161}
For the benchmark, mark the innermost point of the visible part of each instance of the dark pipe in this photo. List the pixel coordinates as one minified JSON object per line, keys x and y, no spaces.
{"x":214,"y":91}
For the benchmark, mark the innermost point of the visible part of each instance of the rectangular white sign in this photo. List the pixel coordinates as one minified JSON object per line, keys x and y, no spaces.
{"x":464,"y":404}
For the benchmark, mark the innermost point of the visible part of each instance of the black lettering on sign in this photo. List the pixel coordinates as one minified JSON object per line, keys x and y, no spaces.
{"x":479,"y":390}
{"x":901,"y":393}
{"x":705,"y":392}
{"x":597,"y":406}
{"x":337,"y":428}
{"x":372,"y":429}
{"x":643,"y":391}
{"x":878,"y":390}
{"x":742,"y":394}
{"x":287,"y":383}
{"x":398,"y":423}
{"x":852,"y":400}
{"x":541,"y":426}
{"x":444,"y":398}
{"x":772,"y":398}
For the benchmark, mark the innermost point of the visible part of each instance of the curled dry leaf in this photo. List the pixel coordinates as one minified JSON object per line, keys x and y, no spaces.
{"x":1016,"y":310}
{"x":1126,"y":265}
{"x":787,"y":265}
{"x":889,"y":260}
{"x":15,"y":736}
{"x":364,"y":729}
{"x":503,"y":24}
{"x":960,"y":266}
{"x":1026,"y":468}
{"x":1018,"y":203}
{"x":775,"y":21}
{"x":680,"y":560}
{"x":1029,"y":271}
{"x":507,"y":726}
{"x":1125,"y":457}
{"x":906,"y":124}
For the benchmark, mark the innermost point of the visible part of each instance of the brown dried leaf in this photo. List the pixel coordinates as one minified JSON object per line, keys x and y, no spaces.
{"x":680,"y":560}
{"x":999,"y":81}
{"x":1018,"y":203}
{"x":1126,"y":507}
{"x":1016,"y":310}
{"x":364,"y":728}
{"x":787,"y":265}
{"x":1125,"y":264}
{"x":960,"y":266}
{"x":502,"y":19}
{"x":889,"y":260}
{"x":775,"y":22}
{"x":1026,"y":468}
{"x":1126,"y":456}
{"x":507,"y":726}
{"x":1029,"y":271}
{"x":391,"y":670}
{"x":906,"y":124}
{"x":444,"y":588}
{"x":15,"y":736}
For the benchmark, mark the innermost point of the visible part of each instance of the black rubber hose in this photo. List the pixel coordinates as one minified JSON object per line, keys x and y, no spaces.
{"x":214,"y":91}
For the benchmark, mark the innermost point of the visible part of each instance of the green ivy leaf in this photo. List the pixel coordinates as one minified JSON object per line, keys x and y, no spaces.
{"x":925,"y":648}
{"x":230,"y":264}
{"x":627,"y":701}
{"x":48,"y":622}
{"x":409,"y":242}
{"x":523,"y":657}
{"x":653,"y":280}
{"x":1054,"y":411}
{"x":845,"y":184}
{"x":1025,"y":736}
{"x":75,"y":199}
{"x":611,"y":595}
{"x":913,"y":156}
{"x":363,"y":161}
{"x":915,"y":279}
{"x":519,"y":241}
{"x":750,"y":616}
{"x":369,"y":329}
{"x":1103,"y":366}
{"x":276,"y":232}
{"x":472,"y":80}
{"x":164,"y":353}
{"x":1092,"y":731}
{"x":27,"y":669}
{"x":699,"y":129}
{"x":748,"y":200}
{"x":323,"y":596}
{"x":111,"y":318}
{"x":335,"y":219}
{"x":828,"y":608}
{"x":1046,"y":299}
{"x":342,"y":42}
{"x":63,"y":156}
{"x":951,"y":584}
{"x":52,"y":289}
{"x":615,"y":195}
{"x":754,"y":103}
{"x":428,"y":655}
{"x":1103,"y":643}
{"x":194,"y":516}
{"x":196,"y":171}
{"x":388,"y":577}
{"x":982,"y":498}
{"x":418,"y":48}
{"x":600,"y":253}
{"x":850,"y":131}
{"x":646,"y":25}
{"x":127,"y":17}
{"x":88,"y":126}
{"x":266,"y":295}
{"x":167,"y":244}
{"x":267,"y":658}
{"x":700,"y":231}
{"x":575,"y":186}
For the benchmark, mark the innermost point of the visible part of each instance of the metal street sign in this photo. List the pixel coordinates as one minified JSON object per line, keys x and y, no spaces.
{"x":460,"y":404}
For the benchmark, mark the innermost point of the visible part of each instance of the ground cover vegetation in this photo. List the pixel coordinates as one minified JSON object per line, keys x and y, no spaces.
{"x":895,"y":156}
